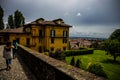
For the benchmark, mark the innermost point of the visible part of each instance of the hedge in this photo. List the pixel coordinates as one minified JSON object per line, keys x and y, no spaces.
{"x":78,"y":52}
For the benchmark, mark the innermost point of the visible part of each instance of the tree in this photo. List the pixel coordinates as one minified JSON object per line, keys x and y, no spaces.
{"x":114,"y":48}
{"x":18,"y":19}
{"x":1,"y":18}
{"x":95,"y":44}
{"x":112,"y":45}
{"x":105,"y":46}
{"x":115,"y":35}
{"x":78,"y":63}
{"x":10,"y":21}
{"x":72,"y":61}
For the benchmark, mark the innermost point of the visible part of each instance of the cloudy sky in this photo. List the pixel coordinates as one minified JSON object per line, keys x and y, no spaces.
{"x":89,"y":18}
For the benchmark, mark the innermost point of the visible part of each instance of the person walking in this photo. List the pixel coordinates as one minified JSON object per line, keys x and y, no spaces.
{"x":8,"y":55}
{"x":15,"y":44}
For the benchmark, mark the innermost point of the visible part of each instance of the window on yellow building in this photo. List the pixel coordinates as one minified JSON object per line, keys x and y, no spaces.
{"x":34,"y":32}
{"x":64,"y":33}
{"x":52,"y":40}
{"x":40,"y":40}
{"x":40,"y":32}
{"x":33,"y":41}
{"x":28,"y":41}
{"x":52,"y":33}
{"x":64,"y":40}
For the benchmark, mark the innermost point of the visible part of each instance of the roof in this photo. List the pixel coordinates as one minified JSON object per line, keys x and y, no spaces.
{"x":41,"y":21}
{"x":17,"y":30}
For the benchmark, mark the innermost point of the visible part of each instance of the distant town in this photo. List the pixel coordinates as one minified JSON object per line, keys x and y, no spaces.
{"x":87,"y":42}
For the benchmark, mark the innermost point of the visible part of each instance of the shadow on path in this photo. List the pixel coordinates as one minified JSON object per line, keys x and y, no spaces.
{"x":2,"y":69}
{"x":26,"y":69}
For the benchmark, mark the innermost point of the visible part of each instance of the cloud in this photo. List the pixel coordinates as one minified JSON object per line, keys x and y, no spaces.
{"x":66,"y":14}
{"x":98,"y":31}
{"x":87,"y":13}
{"x":78,"y":14}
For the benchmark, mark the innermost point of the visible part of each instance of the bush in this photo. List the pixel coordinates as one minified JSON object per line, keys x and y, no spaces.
{"x":81,"y":48}
{"x":62,"y":56}
{"x":78,"y":52}
{"x":78,"y":63}
{"x":72,"y":61}
{"x":51,"y":54}
{"x":58,"y":55}
{"x":46,"y":53}
{"x":96,"y":69}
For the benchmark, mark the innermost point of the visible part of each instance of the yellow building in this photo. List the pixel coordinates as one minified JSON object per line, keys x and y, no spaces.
{"x":40,"y":35}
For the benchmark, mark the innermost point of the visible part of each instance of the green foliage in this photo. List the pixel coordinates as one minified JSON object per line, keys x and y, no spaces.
{"x":1,"y":12}
{"x":11,"y":21}
{"x":18,"y":19}
{"x":88,"y":65}
{"x":58,"y":55}
{"x":62,"y":57}
{"x":97,"y":69}
{"x":78,"y":52}
{"x":51,"y":54}
{"x":112,"y":45}
{"x":46,"y":53}
{"x":72,"y":61}
{"x":81,"y":48}
{"x":1,"y":18}
{"x":115,"y":35}
{"x":111,"y":68}
{"x":78,"y":63}
{"x":69,"y":45}
{"x":95,"y":44}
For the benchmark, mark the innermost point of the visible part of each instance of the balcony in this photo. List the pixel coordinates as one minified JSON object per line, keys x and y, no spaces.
{"x":58,"y":36}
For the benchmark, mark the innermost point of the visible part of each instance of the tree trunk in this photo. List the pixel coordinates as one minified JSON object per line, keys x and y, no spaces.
{"x":114,"y":57}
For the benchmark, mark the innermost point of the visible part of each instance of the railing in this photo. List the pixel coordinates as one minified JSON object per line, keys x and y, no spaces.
{"x":47,"y":68}
{"x":58,"y":36}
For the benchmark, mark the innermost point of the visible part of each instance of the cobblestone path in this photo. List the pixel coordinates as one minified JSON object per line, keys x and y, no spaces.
{"x":18,"y":71}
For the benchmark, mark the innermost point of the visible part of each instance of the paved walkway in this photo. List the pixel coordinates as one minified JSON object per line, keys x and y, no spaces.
{"x":18,"y":71}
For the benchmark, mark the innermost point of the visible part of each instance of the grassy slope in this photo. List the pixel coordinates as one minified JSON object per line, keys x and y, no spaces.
{"x":111,"y":68}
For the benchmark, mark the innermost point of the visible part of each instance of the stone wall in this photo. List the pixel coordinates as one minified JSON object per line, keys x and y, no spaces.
{"x":47,"y":68}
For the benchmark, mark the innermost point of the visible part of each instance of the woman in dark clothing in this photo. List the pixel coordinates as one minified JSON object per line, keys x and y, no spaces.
{"x":15,"y":44}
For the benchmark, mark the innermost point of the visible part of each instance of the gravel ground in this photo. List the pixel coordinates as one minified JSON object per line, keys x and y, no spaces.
{"x":18,"y":71}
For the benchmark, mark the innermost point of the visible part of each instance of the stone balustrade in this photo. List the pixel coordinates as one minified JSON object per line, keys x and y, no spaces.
{"x":47,"y":68}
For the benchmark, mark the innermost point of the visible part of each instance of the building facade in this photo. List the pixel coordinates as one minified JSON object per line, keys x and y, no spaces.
{"x":40,"y":35}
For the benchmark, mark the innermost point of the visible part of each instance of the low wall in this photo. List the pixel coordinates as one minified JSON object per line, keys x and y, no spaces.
{"x":47,"y":68}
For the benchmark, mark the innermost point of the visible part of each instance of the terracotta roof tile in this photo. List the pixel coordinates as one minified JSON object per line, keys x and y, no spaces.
{"x":17,"y":30}
{"x":48,"y":23}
